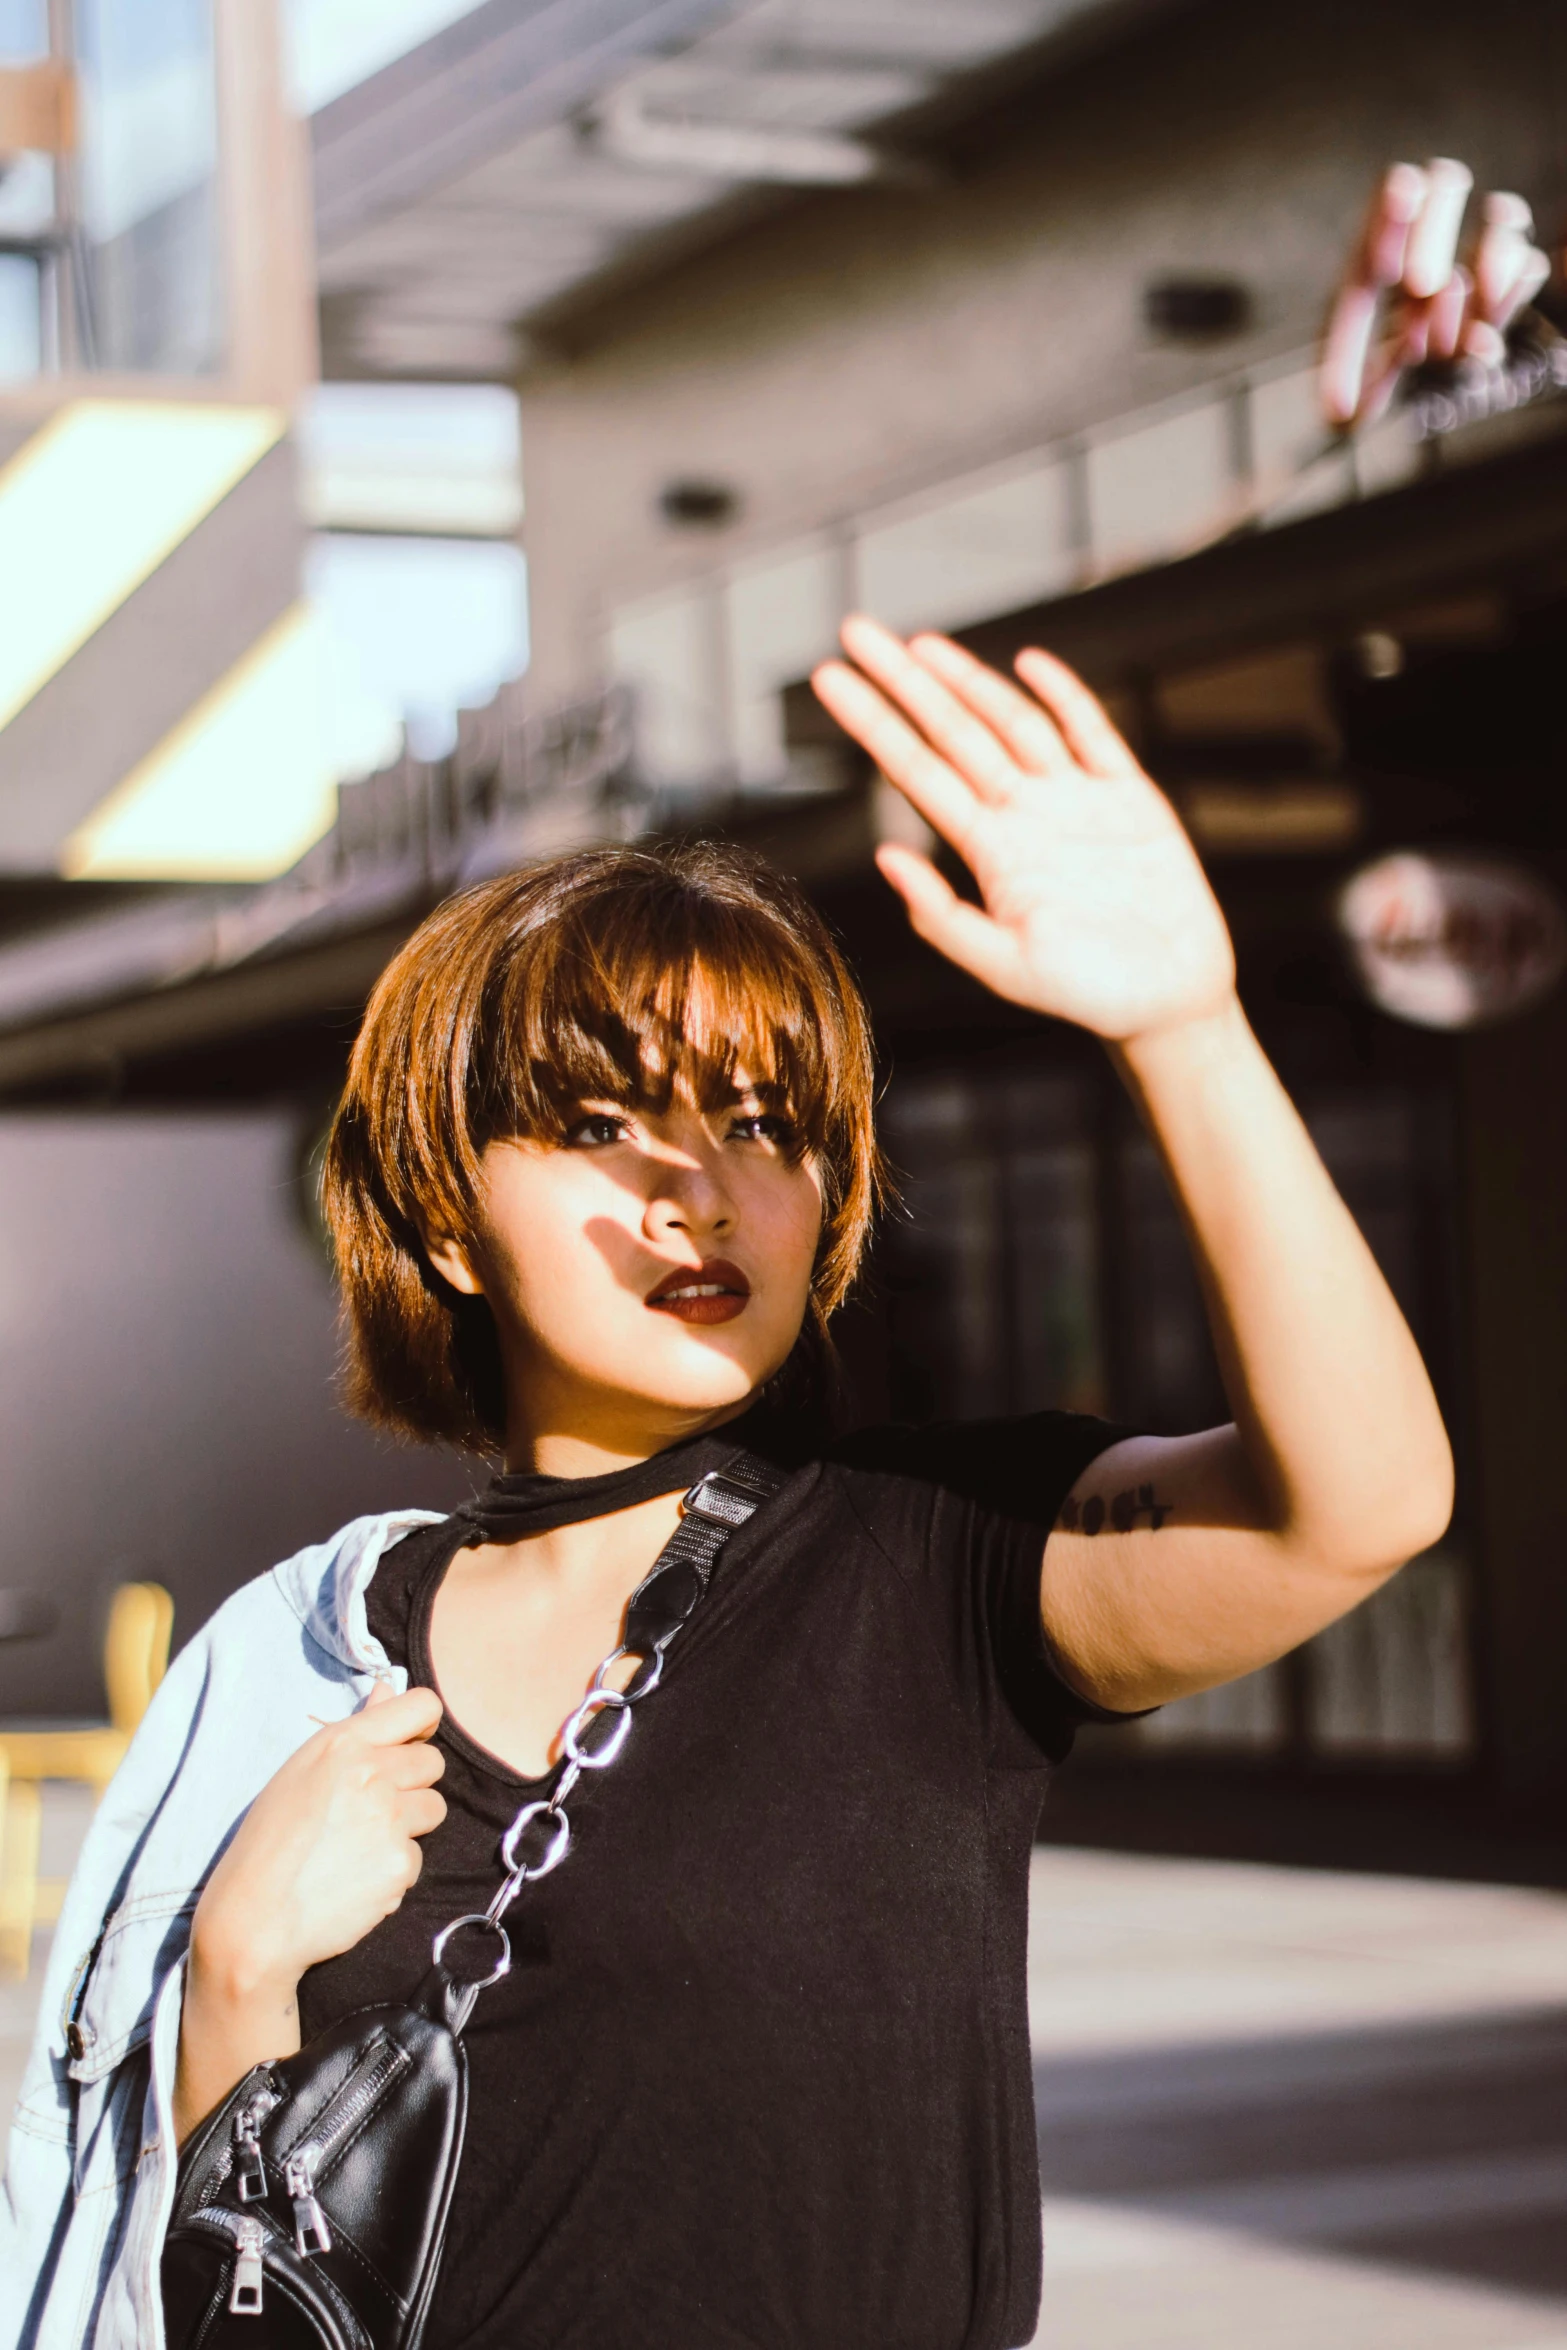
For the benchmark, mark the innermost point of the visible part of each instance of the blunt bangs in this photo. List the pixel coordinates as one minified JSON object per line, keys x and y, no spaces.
{"x":642,"y":1002}
{"x":629,"y":976}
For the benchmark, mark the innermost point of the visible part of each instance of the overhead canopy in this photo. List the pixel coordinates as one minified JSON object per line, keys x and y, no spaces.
{"x":534,"y":152}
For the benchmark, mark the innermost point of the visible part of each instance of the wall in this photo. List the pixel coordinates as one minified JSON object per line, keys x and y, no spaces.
{"x":167,"y":1348}
{"x":862,"y":347}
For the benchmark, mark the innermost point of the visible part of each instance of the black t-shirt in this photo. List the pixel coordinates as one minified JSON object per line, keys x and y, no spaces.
{"x":760,"y":2074}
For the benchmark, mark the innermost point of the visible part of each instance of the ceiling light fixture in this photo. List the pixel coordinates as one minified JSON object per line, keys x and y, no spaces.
{"x":625,"y":128}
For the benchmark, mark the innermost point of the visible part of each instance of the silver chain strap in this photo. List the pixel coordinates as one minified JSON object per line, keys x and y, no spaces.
{"x":539,"y":1838}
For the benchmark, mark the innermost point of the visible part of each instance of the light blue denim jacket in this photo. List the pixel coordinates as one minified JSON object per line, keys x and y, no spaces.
{"x":90,"y":2177}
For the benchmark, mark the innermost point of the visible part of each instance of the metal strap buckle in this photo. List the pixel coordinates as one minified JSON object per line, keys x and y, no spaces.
{"x":714,"y":1497}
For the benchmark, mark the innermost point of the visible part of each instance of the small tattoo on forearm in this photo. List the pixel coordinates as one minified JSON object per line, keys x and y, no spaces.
{"x":1122,"y":1511}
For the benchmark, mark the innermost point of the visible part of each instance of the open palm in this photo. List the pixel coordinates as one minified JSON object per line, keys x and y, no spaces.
{"x":1095,"y":908}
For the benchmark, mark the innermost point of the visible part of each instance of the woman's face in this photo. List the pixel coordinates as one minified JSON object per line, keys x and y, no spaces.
{"x":647,"y":1275}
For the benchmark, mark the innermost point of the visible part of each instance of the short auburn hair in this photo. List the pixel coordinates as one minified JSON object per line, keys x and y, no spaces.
{"x":611,"y":974}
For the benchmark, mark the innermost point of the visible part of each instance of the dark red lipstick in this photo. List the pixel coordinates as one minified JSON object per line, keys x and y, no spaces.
{"x":713,"y":1292}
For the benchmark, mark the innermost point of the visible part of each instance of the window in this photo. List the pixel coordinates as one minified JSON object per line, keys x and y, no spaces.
{"x":1041,"y":1262}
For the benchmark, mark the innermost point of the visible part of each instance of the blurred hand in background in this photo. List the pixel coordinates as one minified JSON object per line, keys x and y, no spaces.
{"x":1407,"y":298}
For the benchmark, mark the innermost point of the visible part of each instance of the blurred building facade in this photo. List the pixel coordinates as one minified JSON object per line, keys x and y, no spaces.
{"x":995,"y":318}
{"x":1061,"y":340}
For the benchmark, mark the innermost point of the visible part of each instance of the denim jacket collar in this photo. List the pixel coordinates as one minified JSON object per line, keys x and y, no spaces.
{"x":326,"y":1588}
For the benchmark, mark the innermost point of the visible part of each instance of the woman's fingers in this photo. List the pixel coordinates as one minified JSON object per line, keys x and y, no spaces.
{"x":417,"y":1764}
{"x":965,"y":934}
{"x":1023,"y":728}
{"x":1078,"y":714}
{"x":904,"y":757}
{"x":963,"y":738}
{"x":423,"y":1811}
{"x":385,"y":1720}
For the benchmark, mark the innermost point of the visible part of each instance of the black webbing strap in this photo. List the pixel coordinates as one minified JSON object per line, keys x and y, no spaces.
{"x":716,"y":1506}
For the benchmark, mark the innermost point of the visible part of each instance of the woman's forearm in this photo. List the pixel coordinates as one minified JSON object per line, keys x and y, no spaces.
{"x":1330,"y":1396}
{"x":231,"y":2021}
{"x":326,"y":1851}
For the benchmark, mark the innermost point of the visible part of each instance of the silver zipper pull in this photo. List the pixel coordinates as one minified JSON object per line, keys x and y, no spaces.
{"x":245,"y":2295}
{"x":250,"y":2175}
{"x":311,"y":2233}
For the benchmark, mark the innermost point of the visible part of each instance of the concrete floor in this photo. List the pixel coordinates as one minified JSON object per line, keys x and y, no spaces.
{"x":1284,"y":2107}
{"x":1278,"y":2108}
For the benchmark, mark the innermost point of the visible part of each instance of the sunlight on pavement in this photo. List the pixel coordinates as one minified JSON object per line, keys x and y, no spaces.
{"x":1278,"y":2107}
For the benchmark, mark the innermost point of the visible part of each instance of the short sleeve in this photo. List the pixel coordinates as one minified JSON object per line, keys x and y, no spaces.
{"x":964,"y":1510}
{"x":389,"y":1600}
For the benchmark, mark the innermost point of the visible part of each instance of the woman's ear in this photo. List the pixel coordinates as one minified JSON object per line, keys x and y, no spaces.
{"x":451,"y":1260}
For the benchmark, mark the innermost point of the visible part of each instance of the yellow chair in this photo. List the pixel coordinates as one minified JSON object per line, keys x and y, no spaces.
{"x":135,"y":1658}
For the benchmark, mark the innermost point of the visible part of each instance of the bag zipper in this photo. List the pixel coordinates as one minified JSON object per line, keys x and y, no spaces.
{"x":242,"y":2151}
{"x":245,"y":2294}
{"x":315,"y":2290}
{"x":336,"y":2125}
{"x":311,"y":2233}
{"x":250,"y":2172}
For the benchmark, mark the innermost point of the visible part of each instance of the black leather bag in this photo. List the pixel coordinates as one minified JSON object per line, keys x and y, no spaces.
{"x":311,"y":2206}
{"x":315,"y":2198}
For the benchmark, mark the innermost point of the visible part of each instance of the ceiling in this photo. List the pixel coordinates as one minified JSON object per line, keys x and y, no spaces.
{"x":537,"y":153}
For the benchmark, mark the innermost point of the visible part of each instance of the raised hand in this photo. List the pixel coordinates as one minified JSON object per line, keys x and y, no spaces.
{"x":1406,"y":298}
{"x":1095,"y":908}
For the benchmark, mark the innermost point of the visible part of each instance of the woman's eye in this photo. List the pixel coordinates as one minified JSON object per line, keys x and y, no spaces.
{"x":761,"y":1126}
{"x":596,"y":1131}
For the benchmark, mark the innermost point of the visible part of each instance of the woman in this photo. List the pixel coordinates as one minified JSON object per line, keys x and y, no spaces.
{"x":604,"y":1166}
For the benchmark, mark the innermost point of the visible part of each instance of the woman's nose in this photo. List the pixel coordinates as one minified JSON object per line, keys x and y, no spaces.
{"x":688,"y":1197}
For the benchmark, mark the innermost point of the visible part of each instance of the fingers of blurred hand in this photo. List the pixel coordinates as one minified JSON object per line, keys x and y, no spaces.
{"x":1531,"y":277}
{"x":1433,"y":236}
{"x":1080,"y":717}
{"x":1344,"y":352}
{"x":1500,"y":256}
{"x":1536,"y":272}
{"x":1406,"y":346}
{"x":1384,"y":243}
{"x":1446,"y":313}
{"x":1382,"y":381}
{"x":1028,"y":735}
{"x":1509,"y":269}
{"x":1401,"y":246}
{"x":963,"y":933}
{"x":904,"y":756}
{"x":389,"y":1721}
{"x":963,"y":738}
{"x":1505,"y":208}
{"x":1484,"y":342}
